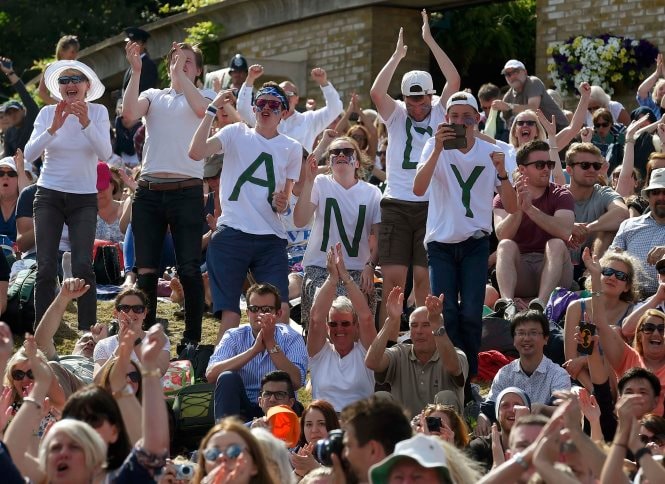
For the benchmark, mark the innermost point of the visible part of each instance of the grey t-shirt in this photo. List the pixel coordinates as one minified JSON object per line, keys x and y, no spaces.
{"x":534,"y":87}
{"x":587,"y":211}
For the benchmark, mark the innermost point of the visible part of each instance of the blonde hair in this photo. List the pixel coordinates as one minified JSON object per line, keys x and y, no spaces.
{"x":635,"y":273}
{"x":275,"y":451}
{"x":462,"y":469}
{"x":654,"y":92}
{"x":542,"y":135}
{"x":600,"y":96}
{"x":18,"y":357}
{"x":83,"y":434}
{"x":365,"y":164}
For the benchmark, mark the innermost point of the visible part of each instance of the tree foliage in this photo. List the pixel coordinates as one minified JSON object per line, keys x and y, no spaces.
{"x":480,"y":39}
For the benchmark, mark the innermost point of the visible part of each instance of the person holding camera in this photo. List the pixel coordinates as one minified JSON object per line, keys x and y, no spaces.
{"x":462,"y":174}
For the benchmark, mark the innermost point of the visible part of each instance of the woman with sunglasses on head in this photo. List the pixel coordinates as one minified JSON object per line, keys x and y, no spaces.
{"x":619,"y":273}
{"x":230,"y":454}
{"x":346,"y":210}
{"x":71,"y":136}
{"x":341,"y":330}
{"x":131,"y":309}
{"x":260,"y":168}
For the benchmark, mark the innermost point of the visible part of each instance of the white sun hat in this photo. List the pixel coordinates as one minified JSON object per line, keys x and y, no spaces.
{"x":54,"y":71}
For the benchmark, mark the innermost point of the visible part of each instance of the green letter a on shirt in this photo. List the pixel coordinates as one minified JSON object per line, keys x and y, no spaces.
{"x":467,"y":185}
{"x":333,"y":206}
{"x":248,"y":176}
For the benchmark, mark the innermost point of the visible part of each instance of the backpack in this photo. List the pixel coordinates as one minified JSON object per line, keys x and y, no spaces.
{"x":199,"y":355}
{"x":20,"y":313}
{"x":107,"y":262}
{"x":194,"y":414}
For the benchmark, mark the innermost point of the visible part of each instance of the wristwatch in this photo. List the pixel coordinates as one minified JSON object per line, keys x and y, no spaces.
{"x":440,"y":331}
{"x":126,"y":391}
{"x":275,"y":349}
{"x":502,"y":178}
{"x":519,"y":458}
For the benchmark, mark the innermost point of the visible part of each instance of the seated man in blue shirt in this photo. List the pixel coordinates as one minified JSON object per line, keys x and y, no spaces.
{"x":245,"y":354}
{"x":533,"y":372}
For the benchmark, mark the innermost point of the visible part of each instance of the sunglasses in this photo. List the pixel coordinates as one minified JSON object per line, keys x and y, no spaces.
{"x":232,"y":452}
{"x":18,"y":375}
{"x":135,"y":308}
{"x":585,"y":165}
{"x":540,"y":164}
{"x":510,"y":73}
{"x":343,"y":324}
{"x":649,"y":328}
{"x":134,"y":376}
{"x":272,"y":104}
{"x":71,"y":79}
{"x":656,"y":191}
{"x":342,"y":151}
{"x":9,"y":173}
{"x":655,"y":439}
{"x":601,"y":125}
{"x":525,"y":122}
{"x":620,"y":275}
{"x":261,"y":309}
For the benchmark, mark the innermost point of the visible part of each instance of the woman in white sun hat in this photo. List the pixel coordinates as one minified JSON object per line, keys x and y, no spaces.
{"x":72,"y":135}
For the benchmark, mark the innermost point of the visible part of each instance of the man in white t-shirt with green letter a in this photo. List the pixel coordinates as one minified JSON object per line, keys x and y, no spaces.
{"x":410,"y":123}
{"x":462,"y":182}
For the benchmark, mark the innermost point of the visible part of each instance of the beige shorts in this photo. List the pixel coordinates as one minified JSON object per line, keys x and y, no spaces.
{"x":529,"y":271}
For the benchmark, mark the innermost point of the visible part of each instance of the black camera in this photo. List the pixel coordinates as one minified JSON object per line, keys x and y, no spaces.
{"x":433,"y":423}
{"x":185,"y":472}
{"x":324,"y":449}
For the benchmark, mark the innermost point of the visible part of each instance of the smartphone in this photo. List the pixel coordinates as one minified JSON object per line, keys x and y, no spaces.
{"x":587,"y":330}
{"x":460,"y":137}
{"x":433,"y":423}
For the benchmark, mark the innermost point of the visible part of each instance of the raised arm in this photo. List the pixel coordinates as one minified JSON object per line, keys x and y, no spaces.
{"x":376,"y":358}
{"x":444,"y":346}
{"x":649,"y":82}
{"x":453,"y":80}
{"x":197,"y":102}
{"x":625,"y":183}
{"x":431,"y":153}
{"x":567,"y":134}
{"x":203,"y":145}
{"x":134,"y":108}
{"x":385,"y":104}
{"x":71,"y":289}
{"x":316,"y":334}
{"x":304,"y":209}
{"x":244,"y":105}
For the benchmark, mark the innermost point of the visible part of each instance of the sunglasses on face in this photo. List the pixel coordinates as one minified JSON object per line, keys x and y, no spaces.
{"x":541,"y":164}
{"x":343,"y":324}
{"x":649,"y":328}
{"x":342,"y":151}
{"x":9,"y":173}
{"x":525,"y":122}
{"x":18,"y":375}
{"x":585,"y":165}
{"x":232,"y":452}
{"x":655,"y":439}
{"x":71,"y":79}
{"x":134,"y":376}
{"x":135,"y":308}
{"x":510,"y":73}
{"x":620,"y":275}
{"x":601,"y":125}
{"x":261,"y":309}
{"x":272,"y":104}
{"x":656,"y":192}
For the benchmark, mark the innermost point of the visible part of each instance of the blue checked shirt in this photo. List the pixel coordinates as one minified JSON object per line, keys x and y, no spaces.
{"x":239,"y":340}
{"x":637,"y":236}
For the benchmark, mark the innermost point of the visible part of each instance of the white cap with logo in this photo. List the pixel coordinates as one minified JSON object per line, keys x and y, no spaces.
{"x":417,"y":83}
{"x":513,"y":64}
{"x":462,"y":98}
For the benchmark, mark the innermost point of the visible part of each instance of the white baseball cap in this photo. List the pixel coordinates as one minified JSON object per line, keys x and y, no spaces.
{"x":513,"y":64}
{"x":462,"y":98}
{"x":8,"y":162}
{"x":426,"y":450}
{"x":417,"y":83}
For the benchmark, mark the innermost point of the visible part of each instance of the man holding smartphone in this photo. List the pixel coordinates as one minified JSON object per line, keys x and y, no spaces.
{"x":461,"y":183}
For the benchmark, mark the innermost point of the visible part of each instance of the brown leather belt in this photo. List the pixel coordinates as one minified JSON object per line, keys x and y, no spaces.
{"x":164,"y":186}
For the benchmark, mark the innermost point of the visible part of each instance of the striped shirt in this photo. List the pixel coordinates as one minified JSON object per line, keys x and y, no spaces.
{"x":239,"y":340}
{"x":637,"y":236}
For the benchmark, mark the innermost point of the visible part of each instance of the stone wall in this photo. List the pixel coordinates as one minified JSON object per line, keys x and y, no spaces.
{"x":558,"y":20}
{"x":352,"y":46}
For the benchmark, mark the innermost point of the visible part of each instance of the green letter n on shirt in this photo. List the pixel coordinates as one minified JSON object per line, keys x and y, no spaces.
{"x":248,"y":176}
{"x":467,"y":185}
{"x":407,"y":164}
{"x":333,"y":206}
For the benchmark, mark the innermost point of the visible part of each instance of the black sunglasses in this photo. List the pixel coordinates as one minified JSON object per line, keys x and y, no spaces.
{"x":601,"y":125}
{"x":135,"y":308}
{"x":540,"y":164}
{"x":525,"y":122}
{"x":345,"y":151}
{"x":620,"y":275}
{"x":134,"y":376}
{"x":655,"y":439}
{"x":656,"y":191}
{"x":9,"y":173}
{"x":261,"y":309}
{"x":585,"y":165}
{"x":18,"y":375}
{"x":71,"y":79}
{"x":648,"y":328}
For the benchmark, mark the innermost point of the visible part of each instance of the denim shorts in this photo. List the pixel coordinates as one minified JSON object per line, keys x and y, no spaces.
{"x":231,"y":253}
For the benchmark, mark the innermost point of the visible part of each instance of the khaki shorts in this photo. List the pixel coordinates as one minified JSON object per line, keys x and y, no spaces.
{"x":529,"y":270}
{"x":402,"y":233}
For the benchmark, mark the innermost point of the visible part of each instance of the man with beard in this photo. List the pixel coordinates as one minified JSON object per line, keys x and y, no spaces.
{"x":644,"y":237}
{"x":599,"y":210}
{"x":527,"y":92}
